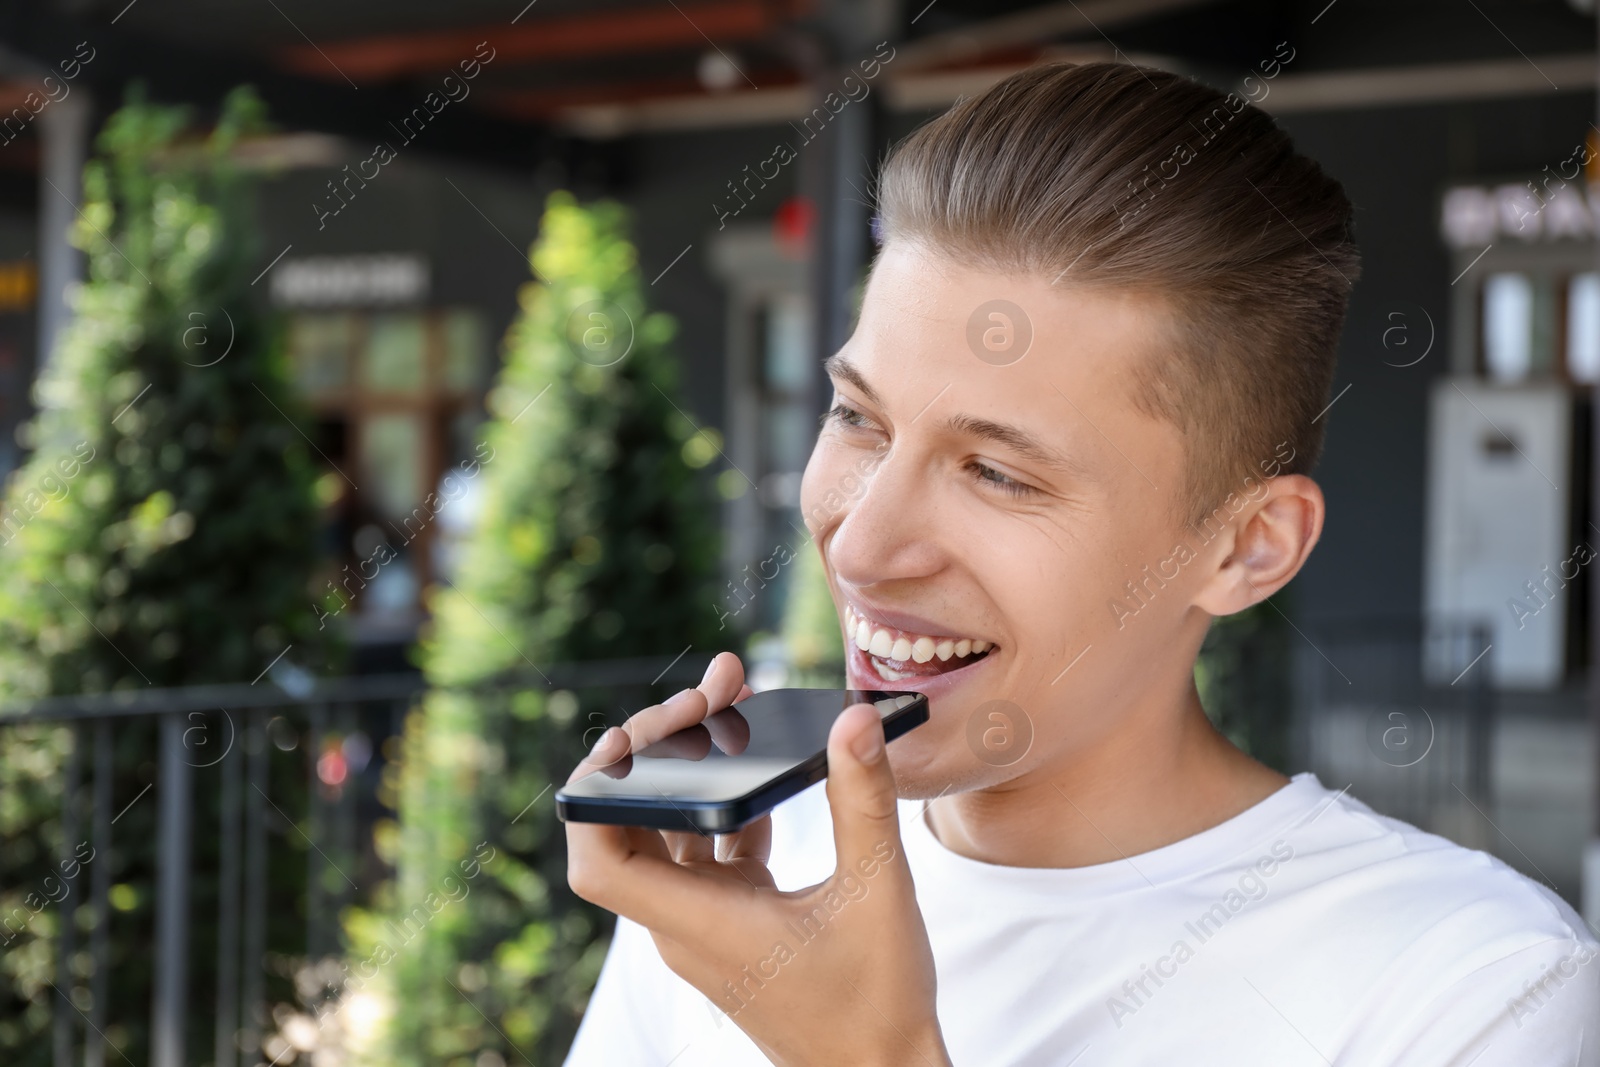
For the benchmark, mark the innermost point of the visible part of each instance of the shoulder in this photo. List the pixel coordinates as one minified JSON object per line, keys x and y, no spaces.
{"x":1416,"y":907}
{"x":1466,"y":953}
{"x":1361,"y":859}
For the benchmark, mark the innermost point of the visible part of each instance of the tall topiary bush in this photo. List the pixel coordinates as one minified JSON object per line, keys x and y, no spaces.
{"x":813,"y":641}
{"x":162,"y":532}
{"x":595,"y":541}
{"x":183,"y":520}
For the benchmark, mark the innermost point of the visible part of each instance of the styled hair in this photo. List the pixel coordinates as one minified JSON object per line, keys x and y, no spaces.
{"x":1108,"y":175}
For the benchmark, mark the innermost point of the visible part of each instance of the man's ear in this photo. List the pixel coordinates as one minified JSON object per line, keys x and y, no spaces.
{"x":1271,"y":540}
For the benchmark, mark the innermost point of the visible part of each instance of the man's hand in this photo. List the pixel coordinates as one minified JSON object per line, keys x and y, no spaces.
{"x":838,"y":973}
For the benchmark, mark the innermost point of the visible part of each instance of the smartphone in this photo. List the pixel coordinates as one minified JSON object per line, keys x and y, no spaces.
{"x":728,"y":771}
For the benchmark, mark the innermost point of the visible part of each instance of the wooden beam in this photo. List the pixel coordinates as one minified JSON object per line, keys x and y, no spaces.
{"x":546,"y":103}
{"x":176,"y":73}
{"x":1033,"y":26}
{"x":919,"y":90}
{"x":645,"y":29}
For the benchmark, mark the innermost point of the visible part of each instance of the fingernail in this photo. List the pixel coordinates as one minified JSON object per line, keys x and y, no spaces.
{"x":868,"y":745}
{"x":678,"y":697}
{"x":605,"y":739}
{"x":709,"y":668}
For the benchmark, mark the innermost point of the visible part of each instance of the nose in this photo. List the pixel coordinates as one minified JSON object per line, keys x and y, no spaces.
{"x":890,"y":531}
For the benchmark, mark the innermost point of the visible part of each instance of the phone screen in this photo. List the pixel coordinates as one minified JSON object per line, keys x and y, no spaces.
{"x":736,"y":750}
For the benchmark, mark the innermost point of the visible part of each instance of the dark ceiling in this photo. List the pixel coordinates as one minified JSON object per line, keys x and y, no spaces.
{"x":350,"y":67}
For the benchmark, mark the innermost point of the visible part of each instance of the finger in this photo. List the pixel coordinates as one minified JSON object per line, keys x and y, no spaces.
{"x":619,"y":768}
{"x":723,"y":679}
{"x":754,"y":842}
{"x":730,"y":730}
{"x":861,"y":790}
{"x":612,"y":843}
{"x":611,"y":748}
{"x":723,"y":682}
{"x":680,"y":711}
{"x":684,"y":903}
{"x":680,"y":847}
{"x":731,"y":733}
{"x":690,"y":846}
{"x":692,"y":743}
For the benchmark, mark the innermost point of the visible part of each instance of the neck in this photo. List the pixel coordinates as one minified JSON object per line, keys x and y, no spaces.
{"x":1169,"y":776}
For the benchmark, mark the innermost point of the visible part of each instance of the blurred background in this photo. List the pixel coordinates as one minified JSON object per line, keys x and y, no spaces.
{"x":394,"y":396}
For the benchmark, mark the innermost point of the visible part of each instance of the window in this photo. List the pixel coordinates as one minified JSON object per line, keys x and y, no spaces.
{"x":1507,"y":327}
{"x":395,"y":399}
{"x":771,"y":388}
{"x":1583,"y":328}
{"x":786,"y":426}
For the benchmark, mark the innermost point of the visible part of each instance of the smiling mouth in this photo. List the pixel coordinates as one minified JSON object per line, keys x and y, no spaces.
{"x":898,"y":654}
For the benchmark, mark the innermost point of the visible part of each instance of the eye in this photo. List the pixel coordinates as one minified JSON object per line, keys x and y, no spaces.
{"x":1006,"y":484}
{"x":846,"y":416}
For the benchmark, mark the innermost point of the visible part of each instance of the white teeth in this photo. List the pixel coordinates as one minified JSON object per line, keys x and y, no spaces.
{"x":888,"y":673}
{"x":886,"y":644}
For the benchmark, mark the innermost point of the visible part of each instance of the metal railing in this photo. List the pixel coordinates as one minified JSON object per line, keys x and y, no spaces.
{"x":1400,"y":711}
{"x":246,"y":739}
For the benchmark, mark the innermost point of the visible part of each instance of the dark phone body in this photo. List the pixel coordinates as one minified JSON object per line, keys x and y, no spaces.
{"x":689,"y":781}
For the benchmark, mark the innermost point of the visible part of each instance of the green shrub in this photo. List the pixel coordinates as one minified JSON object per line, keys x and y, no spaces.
{"x":595,"y":540}
{"x":812,"y":638}
{"x":163,"y":531}
{"x":1242,"y":675}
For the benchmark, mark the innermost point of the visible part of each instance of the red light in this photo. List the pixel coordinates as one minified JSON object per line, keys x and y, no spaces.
{"x":331,"y":768}
{"x":793,"y":221}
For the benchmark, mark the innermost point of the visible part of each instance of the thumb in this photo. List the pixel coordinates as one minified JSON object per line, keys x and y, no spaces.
{"x":861,"y":790}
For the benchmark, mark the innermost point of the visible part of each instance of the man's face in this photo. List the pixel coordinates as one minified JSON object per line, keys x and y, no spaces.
{"x":1006,"y":501}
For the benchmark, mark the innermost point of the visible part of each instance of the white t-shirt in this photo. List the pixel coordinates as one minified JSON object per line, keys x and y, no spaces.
{"x":1306,"y":930}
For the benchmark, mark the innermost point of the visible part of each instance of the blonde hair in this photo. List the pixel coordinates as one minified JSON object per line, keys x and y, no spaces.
{"x":1109,"y":175}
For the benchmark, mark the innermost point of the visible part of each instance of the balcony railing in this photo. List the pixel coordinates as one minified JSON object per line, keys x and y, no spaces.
{"x":1400,"y":711}
{"x":265,"y":753}
{"x":1369,"y":713}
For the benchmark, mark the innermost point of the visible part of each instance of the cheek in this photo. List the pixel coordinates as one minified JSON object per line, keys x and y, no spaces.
{"x":1053,"y":576}
{"x":1054,"y":586}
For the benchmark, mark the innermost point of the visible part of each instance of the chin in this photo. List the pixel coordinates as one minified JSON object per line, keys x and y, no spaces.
{"x":942,"y":756}
{"x":936,"y":759}
{"x":921,"y":763}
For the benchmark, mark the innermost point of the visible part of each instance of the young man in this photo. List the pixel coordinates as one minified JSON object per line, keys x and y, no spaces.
{"x":1073,"y":425}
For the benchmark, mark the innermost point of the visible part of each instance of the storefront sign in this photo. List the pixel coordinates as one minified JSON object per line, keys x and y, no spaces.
{"x":351,"y":281}
{"x":1477,"y":215}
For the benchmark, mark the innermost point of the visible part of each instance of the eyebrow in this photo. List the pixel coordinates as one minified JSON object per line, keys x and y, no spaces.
{"x":1020,"y":441}
{"x":836,"y":366}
